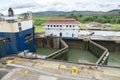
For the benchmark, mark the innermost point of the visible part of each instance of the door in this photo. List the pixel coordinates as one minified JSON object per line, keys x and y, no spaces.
{"x":60,"y":34}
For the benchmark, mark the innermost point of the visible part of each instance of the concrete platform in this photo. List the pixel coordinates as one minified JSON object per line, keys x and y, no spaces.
{"x":26,"y":69}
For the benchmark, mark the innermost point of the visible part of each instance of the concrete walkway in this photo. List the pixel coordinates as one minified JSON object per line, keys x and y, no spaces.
{"x":27,"y":69}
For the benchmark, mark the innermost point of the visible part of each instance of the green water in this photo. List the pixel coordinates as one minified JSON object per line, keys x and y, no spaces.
{"x":45,"y":51}
{"x":114,"y":59}
{"x":73,"y":55}
{"x":80,"y":56}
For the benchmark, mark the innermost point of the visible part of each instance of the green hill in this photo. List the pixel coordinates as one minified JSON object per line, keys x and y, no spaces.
{"x":115,"y":12}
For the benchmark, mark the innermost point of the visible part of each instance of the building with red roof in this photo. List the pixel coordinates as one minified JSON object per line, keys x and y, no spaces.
{"x":62,"y":27}
{"x":95,"y":25}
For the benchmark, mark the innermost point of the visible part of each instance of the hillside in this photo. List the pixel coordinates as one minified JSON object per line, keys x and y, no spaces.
{"x":84,"y":13}
{"x":115,"y":11}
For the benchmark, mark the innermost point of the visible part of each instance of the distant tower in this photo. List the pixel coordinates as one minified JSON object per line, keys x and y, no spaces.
{"x":10,"y":12}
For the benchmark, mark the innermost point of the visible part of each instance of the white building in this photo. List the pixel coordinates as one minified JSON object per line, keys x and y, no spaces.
{"x":95,"y":25}
{"x":65,"y":28}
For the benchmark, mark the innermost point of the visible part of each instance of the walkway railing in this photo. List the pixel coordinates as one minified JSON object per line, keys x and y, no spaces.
{"x":100,"y":52}
{"x":59,"y":52}
{"x":103,"y":59}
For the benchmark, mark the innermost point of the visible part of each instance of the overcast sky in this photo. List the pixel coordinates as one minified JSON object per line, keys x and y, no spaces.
{"x":21,"y":6}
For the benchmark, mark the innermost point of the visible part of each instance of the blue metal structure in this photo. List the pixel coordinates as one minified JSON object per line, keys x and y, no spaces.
{"x":16,"y":43}
{"x":16,"y":36}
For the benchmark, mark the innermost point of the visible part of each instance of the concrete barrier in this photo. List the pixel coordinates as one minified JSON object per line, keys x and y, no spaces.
{"x":63,"y":49}
{"x":99,"y":51}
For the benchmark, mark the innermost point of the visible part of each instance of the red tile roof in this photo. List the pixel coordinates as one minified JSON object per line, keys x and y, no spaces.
{"x":62,"y":21}
{"x":95,"y":24}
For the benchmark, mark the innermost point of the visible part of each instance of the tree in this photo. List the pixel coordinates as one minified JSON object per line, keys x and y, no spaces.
{"x":81,"y":15}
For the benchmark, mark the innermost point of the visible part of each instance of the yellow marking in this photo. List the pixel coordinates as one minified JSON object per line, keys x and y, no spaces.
{"x":85,"y":70}
{"x":10,"y":61}
{"x":26,"y":72}
{"x":18,"y":59}
{"x":62,"y":67}
{"x":56,"y":75}
{"x":38,"y":64}
{"x":100,"y":69}
{"x":75,"y":70}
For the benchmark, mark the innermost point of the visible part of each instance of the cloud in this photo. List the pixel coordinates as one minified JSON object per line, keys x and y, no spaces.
{"x":59,"y":5}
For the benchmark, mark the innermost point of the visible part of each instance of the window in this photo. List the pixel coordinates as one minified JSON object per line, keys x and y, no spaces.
{"x":57,"y":25}
{"x":19,"y":24}
{"x":28,"y":36}
{"x":48,"y":25}
{"x":66,"y":25}
{"x":73,"y":26}
{"x":20,"y":28}
{"x":60,"y":25}
{"x":20,"y":31}
{"x":70,"y":25}
{"x":5,"y":40}
{"x":51,"y":25}
{"x":54,"y":26}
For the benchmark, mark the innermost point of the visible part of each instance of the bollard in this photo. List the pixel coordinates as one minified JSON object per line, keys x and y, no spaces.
{"x":75,"y":70}
{"x":26,"y":72}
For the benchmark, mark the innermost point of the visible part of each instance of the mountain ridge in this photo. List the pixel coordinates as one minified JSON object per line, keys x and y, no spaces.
{"x":115,"y":12}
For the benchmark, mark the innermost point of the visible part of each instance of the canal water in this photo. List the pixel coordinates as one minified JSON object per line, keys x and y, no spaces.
{"x":81,"y":56}
{"x":73,"y":55}
{"x":114,"y":59}
{"x":45,"y":51}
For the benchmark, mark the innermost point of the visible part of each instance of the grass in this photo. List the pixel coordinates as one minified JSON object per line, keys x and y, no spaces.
{"x":38,"y":23}
{"x":113,"y":27}
{"x":84,"y":26}
{"x":39,"y":29}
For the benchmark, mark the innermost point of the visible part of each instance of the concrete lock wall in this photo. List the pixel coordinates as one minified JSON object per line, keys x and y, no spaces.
{"x":47,"y":42}
{"x":76,"y":44}
{"x":95,"y":49}
{"x":112,"y":46}
{"x":84,"y":45}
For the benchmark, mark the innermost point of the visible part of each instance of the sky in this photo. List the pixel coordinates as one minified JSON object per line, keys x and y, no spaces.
{"x":21,"y":6}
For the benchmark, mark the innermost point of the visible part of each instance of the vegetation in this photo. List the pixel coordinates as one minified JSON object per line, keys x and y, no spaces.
{"x":39,"y":21}
{"x":39,"y":29}
{"x":114,"y":20}
{"x":101,"y":19}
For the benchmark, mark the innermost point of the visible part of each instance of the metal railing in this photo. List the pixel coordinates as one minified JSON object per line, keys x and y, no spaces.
{"x":59,"y":52}
{"x":103,"y":58}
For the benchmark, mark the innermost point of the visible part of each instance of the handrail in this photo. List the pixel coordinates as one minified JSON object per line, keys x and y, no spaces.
{"x":97,"y":45}
{"x":101,"y":58}
{"x":105,"y":53}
